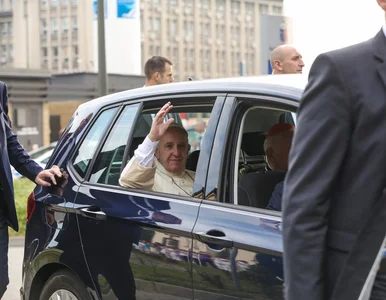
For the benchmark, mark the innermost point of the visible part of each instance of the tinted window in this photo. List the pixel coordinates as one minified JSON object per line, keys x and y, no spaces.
{"x":108,"y":164}
{"x":87,"y":149}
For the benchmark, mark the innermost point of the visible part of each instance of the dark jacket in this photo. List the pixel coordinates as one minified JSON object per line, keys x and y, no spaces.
{"x":337,"y":175}
{"x":11,"y":153}
{"x":276,"y":198}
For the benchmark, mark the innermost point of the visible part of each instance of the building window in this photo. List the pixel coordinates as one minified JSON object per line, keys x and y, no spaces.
{"x":208,"y":60}
{"x":173,"y":28}
{"x":3,"y":28}
{"x":64,"y":24}
{"x":189,"y":4}
{"x":277,"y":9}
{"x":175,"y":54}
{"x":156,"y":4}
{"x":74,"y":21}
{"x":250,"y":11}
{"x":10,"y":28}
{"x":156,"y":25}
{"x":55,"y":51}
{"x":205,"y":4}
{"x":65,"y":52}
{"x":250,"y":64}
{"x":64,"y":2}
{"x":43,"y":4}
{"x":186,"y":55}
{"x":1,"y":5}
{"x":75,"y":51}
{"x":43,"y":28}
{"x":75,"y":63}
{"x":263,"y":8}
{"x":220,"y":5}
{"x":173,"y":3}
{"x":150,"y":25}
{"x":54,"y":2}
{"x":44,"y":52}
{"x":235,"y":7}
{"x":54,"y":25}
{"x":191,"y":61}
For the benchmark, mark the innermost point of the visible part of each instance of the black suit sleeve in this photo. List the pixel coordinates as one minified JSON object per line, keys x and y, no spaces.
{"x":318,"y":150}
{"x":18,"y":157}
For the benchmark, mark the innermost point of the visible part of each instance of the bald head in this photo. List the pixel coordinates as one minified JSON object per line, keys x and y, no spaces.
{"x":285,"y":59}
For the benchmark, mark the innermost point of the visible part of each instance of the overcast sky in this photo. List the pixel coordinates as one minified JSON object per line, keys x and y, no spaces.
{"x":323,"y":25}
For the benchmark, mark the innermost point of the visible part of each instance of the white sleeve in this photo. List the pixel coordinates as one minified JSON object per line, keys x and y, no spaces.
{"x":144,"y":155}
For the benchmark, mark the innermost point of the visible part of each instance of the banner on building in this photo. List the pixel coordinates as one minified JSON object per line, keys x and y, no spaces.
{"x":127,"y":9}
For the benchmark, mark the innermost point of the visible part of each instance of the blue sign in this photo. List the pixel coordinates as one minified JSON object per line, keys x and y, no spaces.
{"x":269,"y":67}
{"x":127,"y":9}
{"x":95,"y":8}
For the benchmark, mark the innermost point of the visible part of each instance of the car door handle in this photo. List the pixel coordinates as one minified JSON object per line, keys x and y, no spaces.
{"x":93,"y":212}
{"x":210,"y":239}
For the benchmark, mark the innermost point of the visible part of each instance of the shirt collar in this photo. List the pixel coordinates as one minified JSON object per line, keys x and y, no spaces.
{"x":384,"y":29}
{"x":163,"y":170}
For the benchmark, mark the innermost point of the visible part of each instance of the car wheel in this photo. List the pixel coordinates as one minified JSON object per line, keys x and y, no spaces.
{"x":65,"y":286}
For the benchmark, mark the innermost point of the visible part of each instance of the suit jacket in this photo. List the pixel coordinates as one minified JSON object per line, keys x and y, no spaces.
{"x":156,"y":179}
{"x":277,"y":197}
{"x":337,"y":174}
{"x":11,"y":153}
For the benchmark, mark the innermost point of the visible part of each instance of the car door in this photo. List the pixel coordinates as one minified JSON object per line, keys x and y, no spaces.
{"x":237,"y":250}
{"x":136,"y":243}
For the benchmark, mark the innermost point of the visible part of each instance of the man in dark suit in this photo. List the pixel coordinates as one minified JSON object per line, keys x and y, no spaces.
{"x":334,"y":202}
{"x":13,"y":153}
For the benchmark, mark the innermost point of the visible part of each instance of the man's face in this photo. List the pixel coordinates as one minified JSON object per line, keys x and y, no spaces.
{"x":172,"y":151}
{"x":278,"y":152}
{"x":167,"y":76}
{"x":292,"y":63}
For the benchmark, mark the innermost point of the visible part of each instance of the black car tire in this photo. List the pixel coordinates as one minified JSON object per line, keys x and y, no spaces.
{"x":64,"y":280}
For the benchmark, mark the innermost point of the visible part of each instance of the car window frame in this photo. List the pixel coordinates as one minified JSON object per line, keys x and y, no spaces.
{"x":144,"y":101}
{"x":225,"y":171}
{"x":108,"y":133}
{"x":70,"y":165}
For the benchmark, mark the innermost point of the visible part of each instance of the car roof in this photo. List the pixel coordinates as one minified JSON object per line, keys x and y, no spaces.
{"x":289,"y":86}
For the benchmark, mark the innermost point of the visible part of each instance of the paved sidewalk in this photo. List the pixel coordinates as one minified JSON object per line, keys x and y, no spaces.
{"x":15,"y":261}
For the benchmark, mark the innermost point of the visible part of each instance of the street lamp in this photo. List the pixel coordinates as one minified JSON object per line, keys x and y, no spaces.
{"x":102,"y":73}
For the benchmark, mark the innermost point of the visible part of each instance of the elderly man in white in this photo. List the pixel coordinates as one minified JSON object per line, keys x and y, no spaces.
{"x":159,"y":162}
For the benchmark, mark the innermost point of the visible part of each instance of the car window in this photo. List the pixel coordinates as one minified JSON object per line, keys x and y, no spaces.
{"x":108,"y":164}
{"x":89,"y":145}
{"x":194,"y":117}
{"x":256,"y":184}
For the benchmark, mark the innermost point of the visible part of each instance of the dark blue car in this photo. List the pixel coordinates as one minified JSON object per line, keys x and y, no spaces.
{"x":89,"y":238}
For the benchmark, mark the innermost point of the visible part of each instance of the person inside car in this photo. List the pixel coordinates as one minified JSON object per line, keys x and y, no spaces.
{"x":277,"y":146}
{"x":159,"y":162}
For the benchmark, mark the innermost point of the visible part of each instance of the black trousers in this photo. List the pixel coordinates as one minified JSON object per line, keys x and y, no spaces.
{"x":4,"y":280}
{"x":379,"y":288}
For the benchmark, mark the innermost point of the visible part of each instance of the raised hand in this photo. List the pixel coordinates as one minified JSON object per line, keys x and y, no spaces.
{"x":158,"y":127}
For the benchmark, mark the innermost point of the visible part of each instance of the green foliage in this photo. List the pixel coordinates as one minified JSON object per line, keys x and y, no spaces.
{"x":22,"y":187}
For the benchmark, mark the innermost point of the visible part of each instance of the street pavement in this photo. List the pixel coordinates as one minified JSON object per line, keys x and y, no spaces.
{"x":15,"y":261}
